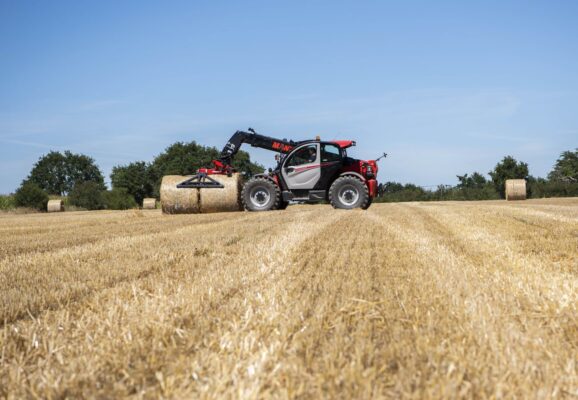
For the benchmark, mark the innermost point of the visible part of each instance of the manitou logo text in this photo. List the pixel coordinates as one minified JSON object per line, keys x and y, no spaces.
{"x":281,"y":147}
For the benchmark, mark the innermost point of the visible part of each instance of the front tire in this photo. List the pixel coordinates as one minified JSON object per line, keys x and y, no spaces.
{"x":260,"y":194}
{"x":368,"y":204}
{"x":348,"y":192}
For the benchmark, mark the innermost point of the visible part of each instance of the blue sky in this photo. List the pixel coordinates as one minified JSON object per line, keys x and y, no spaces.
{"x":445,"y":87}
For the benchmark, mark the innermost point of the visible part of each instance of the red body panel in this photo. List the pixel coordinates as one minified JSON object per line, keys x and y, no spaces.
{"x":372,"y":186}
{"x":344,"y":144}
{"x":219,"y":169}
{"x":276,"y":179}
{"x":361,"y":167}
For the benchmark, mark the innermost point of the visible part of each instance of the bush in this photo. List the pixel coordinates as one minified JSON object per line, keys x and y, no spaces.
{"x":7,"y":202}
{"x":396,"y":192}
{"x":87,"y":195}
{"x":119,"y":199}
{"x":538,"y":188}
{"x":136,"y":178}
{"x":30,"y":195}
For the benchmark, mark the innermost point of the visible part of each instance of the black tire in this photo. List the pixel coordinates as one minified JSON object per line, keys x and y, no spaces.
{"x":283,"y":205}
{"x":368,"y":203}
{"x":260,"y":194}
{"x":348,"y":192}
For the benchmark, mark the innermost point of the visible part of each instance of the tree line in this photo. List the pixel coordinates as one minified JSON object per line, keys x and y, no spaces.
{"x":78,"y":179}
{"x":562,"y":181}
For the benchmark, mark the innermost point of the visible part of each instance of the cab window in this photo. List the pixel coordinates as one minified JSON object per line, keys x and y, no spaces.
{"x":305,"y":155}
{"x":330,"y":152}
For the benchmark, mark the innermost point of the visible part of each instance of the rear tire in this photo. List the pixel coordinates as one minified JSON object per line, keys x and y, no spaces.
{"x":283,"y":205}
{"x":348,"y":192}
{"x":260,"y":194}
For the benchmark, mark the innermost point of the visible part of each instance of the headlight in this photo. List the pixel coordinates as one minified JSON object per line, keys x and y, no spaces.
{"x":369,"y":171}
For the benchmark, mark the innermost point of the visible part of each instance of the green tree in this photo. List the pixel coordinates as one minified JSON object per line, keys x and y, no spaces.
{"x":508,"y":168}
{"x":118,"y":199}
{"x":566,"y":167}
{"x":475,"y":181}
{"x":243,"y":164}
{"x":57,"y":173}
{"x":31,"y":195}
{"x":186,"y":158}
{"x":136,"y":178}
{"x":87,"y":195}
{"x":183,"y":159}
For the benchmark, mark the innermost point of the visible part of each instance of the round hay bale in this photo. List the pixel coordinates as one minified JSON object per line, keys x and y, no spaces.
{"x":149,"y":204}
{"x":226,"y":199}
{"x":207,"y":200}
{"x":515,"y":189}
{"x":55,"y":206}
{"x":178,"y":201}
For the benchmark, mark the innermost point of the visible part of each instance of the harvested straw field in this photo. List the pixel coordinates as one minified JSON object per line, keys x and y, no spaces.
{"x":412,"y":300}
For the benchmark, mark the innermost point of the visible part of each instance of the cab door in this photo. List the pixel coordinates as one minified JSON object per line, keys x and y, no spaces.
{"x":331,"y":165}
{"x":302,"y":168}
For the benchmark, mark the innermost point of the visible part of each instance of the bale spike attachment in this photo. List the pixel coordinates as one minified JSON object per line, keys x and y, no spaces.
{"x":200,"y":181}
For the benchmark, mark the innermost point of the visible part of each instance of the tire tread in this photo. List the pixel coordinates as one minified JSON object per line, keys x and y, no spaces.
{"x":261,"y":179}
{"x":365,"y":202}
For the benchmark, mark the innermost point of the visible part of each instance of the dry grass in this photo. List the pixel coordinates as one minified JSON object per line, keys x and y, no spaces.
{"x":406,"y":300}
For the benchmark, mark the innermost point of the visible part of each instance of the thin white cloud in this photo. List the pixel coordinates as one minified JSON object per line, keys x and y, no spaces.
{"x":29,"y":144}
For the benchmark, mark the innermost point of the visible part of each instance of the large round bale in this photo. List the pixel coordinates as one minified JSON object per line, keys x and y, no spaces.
{"x":149,"y":204}
{"x":515,"y":189}
{"x":206,"y":200}
{"x":55,"y":206}
{"x":226,"y":199}
{"x":178,"y":201}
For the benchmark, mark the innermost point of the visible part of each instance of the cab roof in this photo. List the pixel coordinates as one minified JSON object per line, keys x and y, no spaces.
{"x":344,"y":143}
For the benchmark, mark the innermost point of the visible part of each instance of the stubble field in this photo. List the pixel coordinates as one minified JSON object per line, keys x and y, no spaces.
{"x":415,"y":300}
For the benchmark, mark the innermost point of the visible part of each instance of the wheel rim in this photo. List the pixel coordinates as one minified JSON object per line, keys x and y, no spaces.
{"x":348,"y":195}
{"x":260,"y":197}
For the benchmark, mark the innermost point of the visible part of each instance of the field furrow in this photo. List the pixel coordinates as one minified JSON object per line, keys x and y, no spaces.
{"x":54,"y":234}
{"x":506,"y":297}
